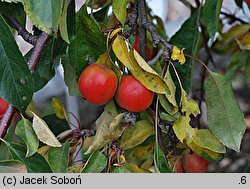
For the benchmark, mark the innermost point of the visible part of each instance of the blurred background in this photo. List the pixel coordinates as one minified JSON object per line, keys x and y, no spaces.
{"x":173,"y":13}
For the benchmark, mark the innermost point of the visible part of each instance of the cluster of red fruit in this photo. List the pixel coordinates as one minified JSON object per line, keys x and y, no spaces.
{"x":3,"y":106}
{"x":191,"y":163}
{"x":98,"y":84}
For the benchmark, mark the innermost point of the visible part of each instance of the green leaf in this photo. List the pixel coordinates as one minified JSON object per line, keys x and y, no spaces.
{"x":187,"y":37}
{"x":96,"y":163}
{"x":120,"y":9}
{"x":102,"y":14}
{"x":205,"y":144}
{"x":135,"y":135}
{"x":10,"y":9}
{"x":16,"y":84}
{"x":45,"y":15}
{"x":225,"y":119}
{"x":70,"y":77}
{"x":77,"y":168}
{"x":239,"y":3}
{"x":12,"y":166}
{"x":59,"y":158}
{"x":89,"y":41}
{"x":43,"y":132}
{"x":121,"y":170}
{"x":63,"y":22}
{"x":25,"y":131}
{"x":35,"y":164}
{"x":211,"y":12}
{"x":161,"y":163}
{"x":167,"y":106}
{"x":172,"y":88}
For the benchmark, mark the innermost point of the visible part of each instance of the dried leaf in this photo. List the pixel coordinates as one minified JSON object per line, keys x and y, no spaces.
{"x":147,"y":77}
{"x":43,"y":132}
{"x":178,"y":55}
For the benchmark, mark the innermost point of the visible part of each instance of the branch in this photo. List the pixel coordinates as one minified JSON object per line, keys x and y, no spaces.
{"x":28,"y":37}
{"x":142,"y":30}
{"x":32,"y":63}
{"x":37,"y":51}
{"x":233,"y":17}
{"x":6,"y":120}
{"x":154,"y":34}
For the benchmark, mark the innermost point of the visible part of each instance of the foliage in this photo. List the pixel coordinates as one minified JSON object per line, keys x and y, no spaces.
{"x":121,"y":141}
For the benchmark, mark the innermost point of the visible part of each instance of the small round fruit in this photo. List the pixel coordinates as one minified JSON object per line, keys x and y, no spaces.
{"x":150,"y":52}
{"x":132,"y":95}
{"x":178,"y":167}
{"x":248,"y":2}
{"x":3,"y":106}
{"x":97,"y":84}
{"x":192,"y":163}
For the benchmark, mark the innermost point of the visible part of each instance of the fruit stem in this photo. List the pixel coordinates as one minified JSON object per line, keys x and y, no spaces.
{"x":108,"y":52}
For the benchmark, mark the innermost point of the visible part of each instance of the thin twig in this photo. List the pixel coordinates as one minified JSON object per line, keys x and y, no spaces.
{"x":233,"y":17}
{"x":27,"y":36}
{"x":156,"y":37}
{"x":6,"y":120}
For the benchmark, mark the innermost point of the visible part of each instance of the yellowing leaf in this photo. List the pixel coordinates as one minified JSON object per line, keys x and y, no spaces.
{"x":137,"y":134}
{"x":188,"y":106}
{"x":182,"y":128}
{"x":202,"y":141}
{"x":120,"y":9}
{"x":108,"y":128}
{"x":116,"y":31}
{"x":145,"y":75}
{"x":143,"y":64}
{"x":170,"y":83}
{"x":167,"y":106}
{"x":178,"y":55}
{"x":58,"y":108}
{"x":43,"y":132}
{"x":101,"y":60}
{"x":244,"y":43}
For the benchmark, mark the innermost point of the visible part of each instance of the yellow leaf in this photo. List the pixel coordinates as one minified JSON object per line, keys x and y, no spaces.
{"x":244,"y":43}
{"x":143,"y":64}
{"x":178,"y":55}
{"x":43,"y":132}
{"x":114,"y":32}
{"x":170,"y":83}
{"x":147,"y":77}
{"x":182,"y":129}
{"x":58,"y":108}
{"x":101,"y":60}
{"x":188,"y":106}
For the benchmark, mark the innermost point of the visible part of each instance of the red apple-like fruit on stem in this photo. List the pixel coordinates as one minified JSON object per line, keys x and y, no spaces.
{"x":3,"y":106}
{"x":132,"y":95}
{"x":97,"y":84}
{"x":192,"y":163}
{"x":248,"y":2}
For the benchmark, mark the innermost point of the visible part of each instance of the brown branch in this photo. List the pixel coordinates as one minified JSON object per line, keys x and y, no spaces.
{"x":156,"y":37}
{"x":233,"y":17}
{"x":37,"y":51}
{"x":6,"y":120}
{"x":142,"y":30}
{"x":28,"y":37}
